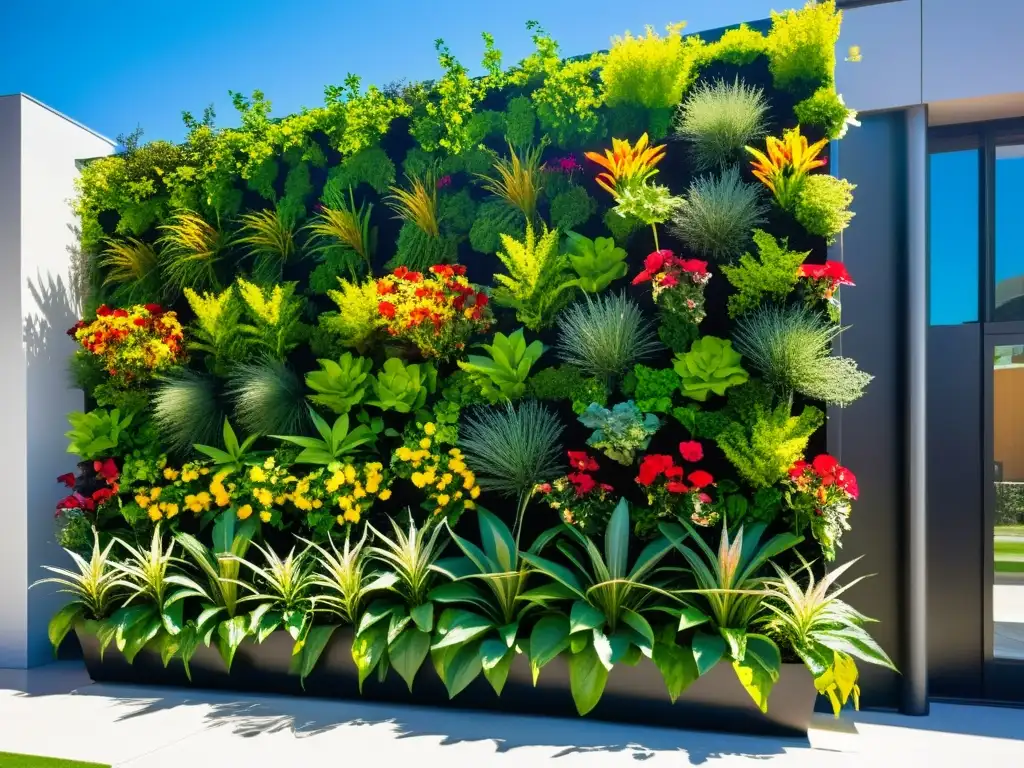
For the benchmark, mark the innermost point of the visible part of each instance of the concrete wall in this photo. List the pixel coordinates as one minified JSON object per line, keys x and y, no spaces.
{"x":38,"y":153}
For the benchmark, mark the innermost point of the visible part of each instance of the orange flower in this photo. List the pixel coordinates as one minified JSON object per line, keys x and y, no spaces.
{"x":627,"y":165}
{"x":787,"y":163}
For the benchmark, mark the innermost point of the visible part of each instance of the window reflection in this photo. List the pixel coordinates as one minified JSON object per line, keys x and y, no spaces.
{"x":953,"y":237}
{"x":1009,"y":267}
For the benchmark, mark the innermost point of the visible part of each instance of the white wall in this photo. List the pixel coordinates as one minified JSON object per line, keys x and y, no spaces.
{"x":36,"y":308}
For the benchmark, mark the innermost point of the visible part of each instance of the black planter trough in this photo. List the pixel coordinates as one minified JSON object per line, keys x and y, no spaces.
{"x":714,"y":702}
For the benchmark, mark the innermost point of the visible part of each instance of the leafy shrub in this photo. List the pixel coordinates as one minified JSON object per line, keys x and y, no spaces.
{"x":520,"y":121}
{"x":403,"y":388}
{"x":654,"y":388}
{"x":826,"y":109}
{"x":484,"y":124}
{"x":275,"y":317}
{"x":456,"y":213}
{"x":773,"y":272}
{"x":622,"y":227}
{"x":604,"y":336}
{"x":801,"y":45}
{"x":566,"y":382}
{"x":371,"y":166}
{"x":186,"y":411}
{"x":502,"y":375}
{"x":676,"y":332}
{"x":719,"y":119}
{"x":823,"y":205}
{"x":567,"y":102}
{"x":597,"y":262}
{"x":340,"y":385}
{"x":297,"y":188}
{"x":356,"y":322}
{"x":495,"y":218}
{"x":620,"y":432}
{"x":739,"y":46}
{"x":96,"y":434}
{"x":791,"y":346}
{"x":650,"y":70}
{"x":269,"y":398}
{"x":1009,"y":503}
{"x":572,"y":208}
{"x":719,"y":215}
{"x":648,"y":204}
{"x":539,"y":281}
{"x":710,"y":367}
{"x":216,"y":330}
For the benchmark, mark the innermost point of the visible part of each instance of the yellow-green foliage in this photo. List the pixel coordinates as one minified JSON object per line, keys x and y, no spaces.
{"x":275,"y":314}
{"x":773,"y":272}
{"x":738,"y":46}
{"x":130,"y":263}
{"x":825,"y":108}
{"x":215,"y":331}
{"x":371,"y":166}
{"x":539,"y":280}
{"x":356,"y":323}
{"x":568,"y":99}
{"x":823,"y":205}
{"x":650,"y":70}
{"x":191,"y":251}
{"x":801,"y":45}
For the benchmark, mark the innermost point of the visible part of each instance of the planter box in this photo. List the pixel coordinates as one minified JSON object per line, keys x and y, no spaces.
{"x":715,"y":702}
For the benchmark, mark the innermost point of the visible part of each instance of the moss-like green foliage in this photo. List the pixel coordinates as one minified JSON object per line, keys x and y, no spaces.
{"x":472,"y":162}
{"x":340,"y":384}
{"x":650,"y":70}
{"x":801,"y":45}
{"x":763,"y":442}
{"x":418,"y":251}
{"x":739,"y":46}
{"x":566,"y":382}
{"x":417,"y":163}
{"x":572,"y":208}
{"x":773,"y":272}
{"x":263,"y":177}
{"x":620,"y":432}
{"x":597,"y":262}
{"x":460,"y":390}
{"x":484,"y":124}
{"x":403,"y":388}
{"x":654,"y":388}
{"x":703,"y":424}
{"x":823,"y":205}
{"x":719,"y":119}
{"x":826,"y":109}
{"x":371,"y":166}
{"x":520,"y":121}
{"x":621,"y":227}
{"x":710,"y":367}
{"x":676,"y":332}
{"x":456,"y":212}
{"x":338,"y":263}
{"x":495,"y":218}
{"x":297,"y":188}
{"x":567,"y":102}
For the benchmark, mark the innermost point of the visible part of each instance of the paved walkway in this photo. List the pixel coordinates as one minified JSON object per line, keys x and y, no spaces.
{"x":56,"y":711}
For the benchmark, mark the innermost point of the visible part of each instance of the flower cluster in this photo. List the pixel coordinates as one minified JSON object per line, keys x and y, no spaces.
{"x":823,"y":281}
{"x":450,"y":486}
{"x":436,"y":312}
{"x":579,"y":499}
{"x":567,"y":165}
{"x":94,"y":492}
{"x":819,"y":494}
{"x":135,"y":344}
{"x":340,"y":494}
{"x":672,"y":492}
{"x":678,"y":284}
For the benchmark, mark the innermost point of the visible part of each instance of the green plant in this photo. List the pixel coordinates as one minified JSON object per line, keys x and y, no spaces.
{"x":502,"y":375}
{"x":275,"y":314}
{"x":825,"y":632}
{"x":538,"y":283}
{"x":622,"y":227}
{"x":719,"y":119}
{"x":269,"y":398}
{"x":792,"y":348}
{"x":511,"y":449}
{"x":186,"y":410}
{"x":740,"y":46}
{"x":418,"y":203}
{"x":597,"y":262}
{"x":456,"y":212}
{"x":191,"y":250}
{"x":572,"y":208}
{"x":566,"y":382}
{"x":270,"y":240}
{"x":334,"y":443}
{"x":604,"y":336}
{"x":517,"y":179}
{"x":133,"y":266}
{"x":418,"y":251}
{"x":826,"y":109}
{"x":340,"y":225}
{"x":340,"y":385}
{"x":357,"y":321}
{"x":710,"y":367}
{"x":606,"y":625}
{"x":495,"y":218}
{"x":720,"y":213}
{"x":95,"y":434}
{"x":448,"y":112}
{"x":801,"y":45}
{"x":397,"y":633}
{"x":370,"y":166}
{"x":823,"y":205}
{"x":728,"y":598}
{"x":677,"y":332}
{"x":94,"y":590}
{"x":654,"y":388}
{"x":234,"y":456}
{"x":343,"y":578}
{"x":403,"y":388}
{"x":283,"y":592}
{"x":520,"y":121}
{"x":216,"y":329}
{"x":620,"y":432}
{"x":773,"y":273}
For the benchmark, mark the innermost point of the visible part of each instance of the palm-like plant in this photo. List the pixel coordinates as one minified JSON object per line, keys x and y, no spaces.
{"x":342,"y":223}
{"x":130,"y":263}
{"x":417,"y":204}
{"x":540,"y":278}
{"x":270,"y":240}
{"x":517,"y":179}
{"x":191,"y":251}
{"x":511,"y":449}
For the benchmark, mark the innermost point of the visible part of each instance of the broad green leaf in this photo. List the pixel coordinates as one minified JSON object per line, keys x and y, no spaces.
{"x":141,"y":633}
{"x":265,"y":625}
{"x":62,"y":622}
{"x":458,"y":592}
{"x":578,"y":641}
{"x":497,"y":540}
{"x":737,"y":640}
{"x":759,"y":669}
{"x":640,"y":625}
{"x":855,"y":641}
{"x":587,"y":678}
{"x":584,"y":617}
{"x":691,"y":617}
{"x":399,"y":621}
{"x":616,"y":541}
{"x":464,"y":666}
{"x":508,"y":633}
{"x":423,"y":615}
{"x":230,"y":634}
{"x":547,"y":593}
{"x":677,"y":666}
{"x":602,"y":645}
{"x":368,"y":648}
{"x":230,"y":441}
{"x":708,"y":650}
{"x":294,"y":622}
{"x":496,"y":659}
{"x":558,"y":572}
{"x":375,"y":611}
{"x":172,"y":618}
{"x":127,"y":617}
{"x":549,"y":638}
{"x":407,"y":653}
{"x":466,"y":626}
{"x":313,"y":645}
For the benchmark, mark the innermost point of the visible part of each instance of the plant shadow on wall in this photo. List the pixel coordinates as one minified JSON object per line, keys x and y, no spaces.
{"x":482,"y":375}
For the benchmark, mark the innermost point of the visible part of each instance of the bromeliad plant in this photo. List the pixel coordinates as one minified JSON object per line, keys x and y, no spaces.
{"x":786,"y":165}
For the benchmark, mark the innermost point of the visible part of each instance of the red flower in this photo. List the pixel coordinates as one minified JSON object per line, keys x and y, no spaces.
{"x":607,"y":488}
{"x":579,"y":460}
{"x":120,"y":313}
{"x":544,"y":487}
{"x":153,"y":309}
{"x":102,"y":494}
{"x":676,"y":487}
{"x":401,"y":272}
{"x":413,"y":277}
{"x":69,"y":502}
{"x":691,"y":450}
{"x":642,"y":277}
{"x":459,"y":269}
{"x":106,"y":469}
{"x":845,"y":480}
{"x":584,"y":483}
{"x":797,"y":469}
{"x":836,"y":271}
{"x":813,"y":271}
{"x":445,"y":270}
{"x":103,"y":311}
{"x":384,"y":287}
{"x":387,"y":309}
{"x":655,"y":261}
{"x":674,"y":472}
{"x":481,"y":300}
{"x":824,"y":464}
{"x":652,"y":465}
{"x":693,"y":265}
{"x":701,"y":479}
{"x":421,"y":292}
{"x":139,"y":321}
{"x":68,"y":478}
{"x":669,"y":281}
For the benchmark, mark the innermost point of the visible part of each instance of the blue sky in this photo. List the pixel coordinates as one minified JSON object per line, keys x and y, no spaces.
{"x":115,"y":66}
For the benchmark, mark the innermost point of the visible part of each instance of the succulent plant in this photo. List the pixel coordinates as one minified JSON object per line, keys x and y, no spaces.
{"x":403,"y":388}
{"x":502,"y":375}
{"x":621,"y":431}
{"x":710,"y":367}
{"x":597,"y":262}
{"x":340,"y":385}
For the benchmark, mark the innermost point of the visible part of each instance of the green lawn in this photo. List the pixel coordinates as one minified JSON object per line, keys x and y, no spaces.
{"x":1009,"y":548}
{"x":8,"y":760}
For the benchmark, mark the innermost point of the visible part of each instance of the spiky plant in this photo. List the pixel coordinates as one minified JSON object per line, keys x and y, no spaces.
{"x":511,"y":449}
{"x":131,"y":264}
{"x":191,"y":251}
{"x":792,"y":348}
{"x":720,"y":214}
{"x":269,"y":398}
{"x":605,"y":336}
{"x":186,"y":410}
{"x":343,"y":578}
{"x":270,"y":240}
{"x":517,"y":179}
{"x":341,"y":223}
{"x":719,"y":119}
{"x":417,"y":204}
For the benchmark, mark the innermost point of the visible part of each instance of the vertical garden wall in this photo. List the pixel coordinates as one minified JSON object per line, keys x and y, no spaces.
{"x":479,"y":384}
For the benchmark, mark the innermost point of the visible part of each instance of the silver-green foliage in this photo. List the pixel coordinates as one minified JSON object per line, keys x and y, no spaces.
{"x":605,"y":336}
{"x":720,"y":215}
{"x":269,"y":398}
{"x":792,"y":348}
{"x":186,"y":410}
{"x":719,"y":119}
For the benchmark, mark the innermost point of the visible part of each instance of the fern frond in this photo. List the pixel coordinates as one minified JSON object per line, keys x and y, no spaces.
{"x":540,"y":280}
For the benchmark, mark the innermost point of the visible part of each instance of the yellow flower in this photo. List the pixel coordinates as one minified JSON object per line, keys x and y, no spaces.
{"x":189,"y":474}
{"x":154,"y":494}
{"x":403,"y":454}
{"x":345,"y":502}
{"x":425,"y":443}
{"x":265,"y":516}
{"x":279,"y":500}
{"x":374,"y":467}
{"x":204,"y":470}
{"x":244,"y":512}
{"x":437,"y":511}
{"x":142,"y":500}
{"x":474,"y":492}
{"x":385,"y":494}
{"x":352,"y":515}
{"x":458,"y":495}
{"x":263,"y":496}
{"x":443,"y":499}
{"x":170,"y":474}
{"x":418,"y":479}
{"x":155,"y":513}
{"x":350,"y":474}
{"x":317,"y":504}
{"x":169,"y":509}
{"x":257,"y":475}
{"x":341,"y":519}
{"x":358,"y":493}
{"x":269,"y":463}
{"x":429,"y":428}
{"x":468,"y":504}
{"x":372,"y":486}
{"x":457,"y":465}
{"x":455,"y":453}
{"x":468,"y":479}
